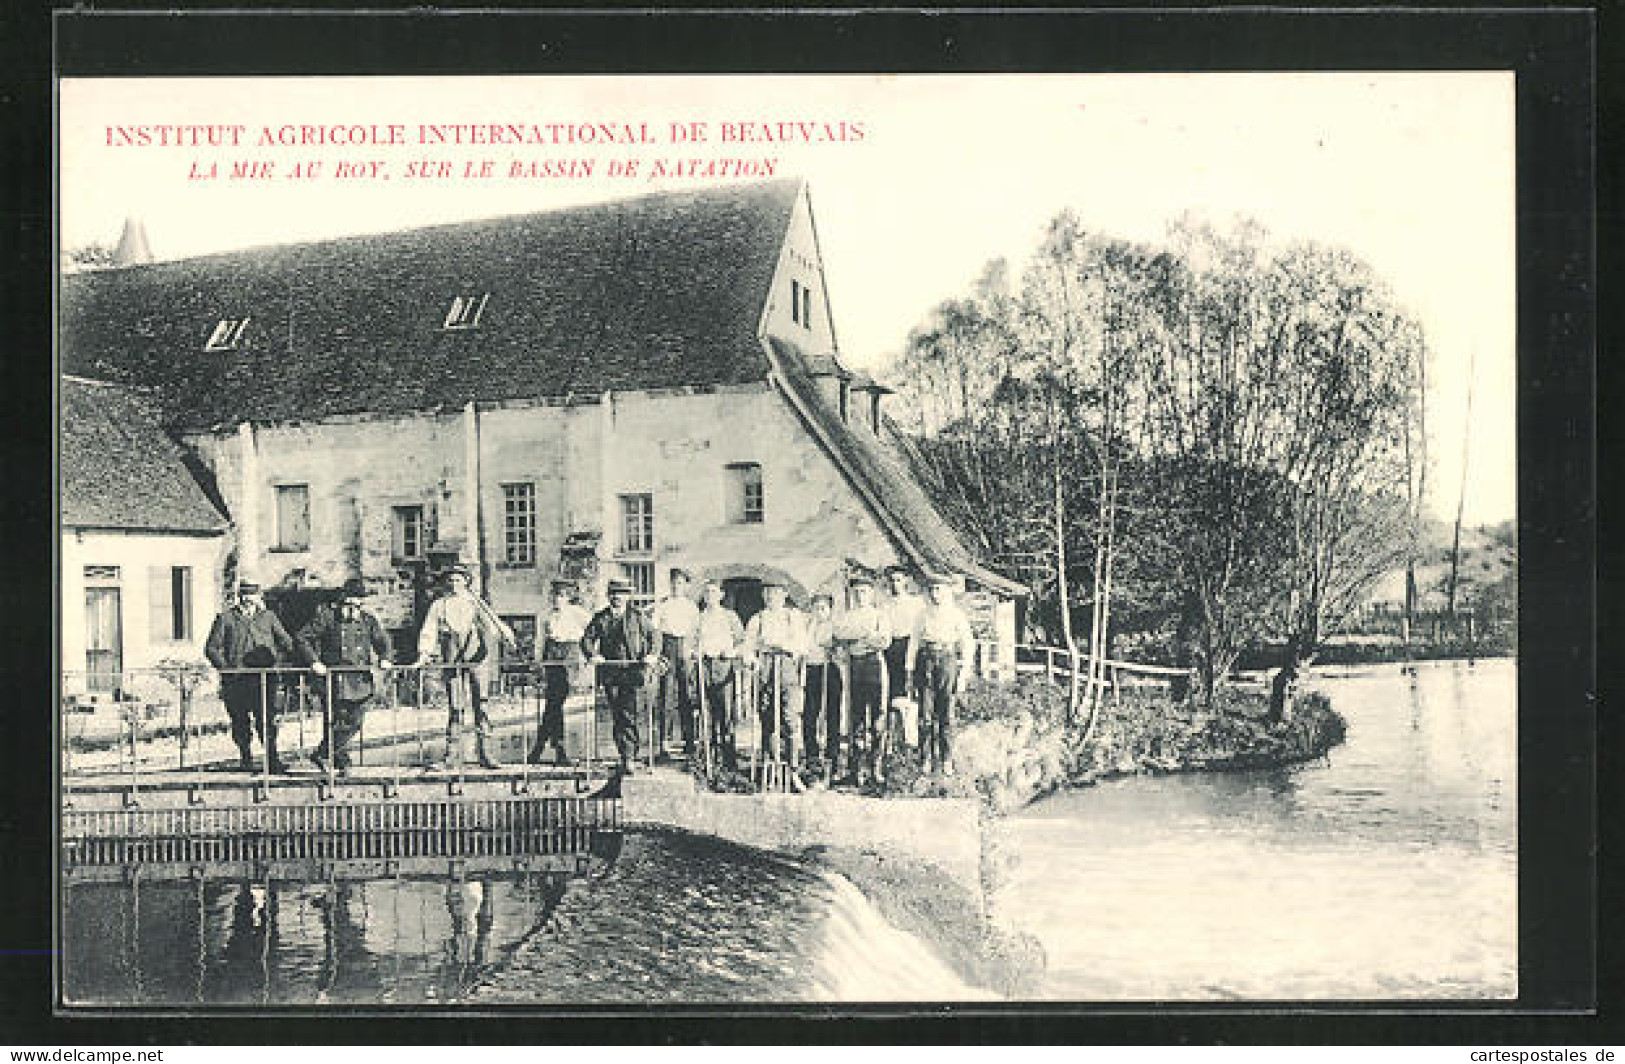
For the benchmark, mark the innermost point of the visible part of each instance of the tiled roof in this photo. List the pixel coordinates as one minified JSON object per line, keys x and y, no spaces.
{"x":660,"y":291}
{"x":120,"y":470}
{"x":881,"y":473}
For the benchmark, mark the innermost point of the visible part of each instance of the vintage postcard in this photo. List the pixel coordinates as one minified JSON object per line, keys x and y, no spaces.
{"x":581,"y":540}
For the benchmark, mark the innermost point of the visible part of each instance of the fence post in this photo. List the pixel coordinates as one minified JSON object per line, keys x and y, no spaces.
{"x":592,"y":719}
{"x":329,"y":710}
{"x":1049,"y":664}
{"x":184,"y":689}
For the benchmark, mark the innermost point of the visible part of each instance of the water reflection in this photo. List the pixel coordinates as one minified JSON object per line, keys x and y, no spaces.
{"x":1389,"y":870}
{"x":265,"y":942}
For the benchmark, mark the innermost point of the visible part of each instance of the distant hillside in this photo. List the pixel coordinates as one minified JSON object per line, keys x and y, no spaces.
{"x":1489,"y":558}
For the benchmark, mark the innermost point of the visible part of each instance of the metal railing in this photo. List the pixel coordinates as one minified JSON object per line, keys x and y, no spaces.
{"x":138,"y":724}
{"x":143,"y":722}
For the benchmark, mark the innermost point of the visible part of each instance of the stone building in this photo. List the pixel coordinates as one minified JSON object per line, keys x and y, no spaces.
{"x":605,"y":390}
{"x":142,"y":544}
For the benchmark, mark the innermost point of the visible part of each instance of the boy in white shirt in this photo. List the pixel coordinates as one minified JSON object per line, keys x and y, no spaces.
{"x":675,"y":618}
{"x":944,"y":649}
{"x":776,"y":643}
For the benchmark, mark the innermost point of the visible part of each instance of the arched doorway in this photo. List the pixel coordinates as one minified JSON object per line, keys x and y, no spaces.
{"x":743,"y":595}
{"x":742,"y":586}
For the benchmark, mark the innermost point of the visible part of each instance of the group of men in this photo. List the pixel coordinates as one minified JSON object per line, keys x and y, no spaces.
{"x":825,"y":685}
{"x":342,"y":646}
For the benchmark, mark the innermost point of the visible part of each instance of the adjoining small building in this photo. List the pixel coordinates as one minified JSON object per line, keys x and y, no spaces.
{"x":142,"y":544}
{"x":604,"y":390}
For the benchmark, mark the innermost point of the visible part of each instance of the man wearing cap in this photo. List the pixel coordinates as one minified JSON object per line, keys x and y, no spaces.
{"x":560,"y":655}
{"x":718,"y":636}
{"x":822,"y":711}
{"x":458,"y":633}
{"x":943,"y":648}
{"x":902,"y":610}
{"x":341,"y":644}
{"x":676,"y":618}
{"x":864,"y":633}
{"x":620,"y":642}
{"x":248,"y":636}
{"x":776,"y":643}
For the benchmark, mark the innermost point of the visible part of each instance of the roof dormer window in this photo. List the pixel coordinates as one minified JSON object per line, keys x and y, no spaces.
{"x":227,"y":335}
{"x":465,"y":311}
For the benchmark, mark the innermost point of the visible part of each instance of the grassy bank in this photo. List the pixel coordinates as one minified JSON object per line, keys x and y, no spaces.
{"x":1016,"y":744}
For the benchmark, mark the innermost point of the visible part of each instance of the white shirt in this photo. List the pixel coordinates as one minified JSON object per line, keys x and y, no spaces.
{"x":676,"y":616}
{"x":719,"y":632}
{"x":776,"y":629}
{"x":866,"y":628}
{"x":944,"y":624}
{"x":566,"y":624}
{"x":820,"y":639}
{"x":457,"y":614}
{"x":901,"y":612}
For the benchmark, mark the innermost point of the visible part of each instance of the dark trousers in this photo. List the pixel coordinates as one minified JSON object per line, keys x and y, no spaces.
{"x":555,"y":689}
{"x":676,"y":691}
{"x":717,"y":677}
{"x":251,"y":703}
{"x":621,"y":689}
{"x":463,"y":690}
{"x":867,"y":701}
{"x":939,"y":676}
{"x":822,"y":710}
{"x":342,"y":724}
{"x":897,"y":666}
{"x":778,"y":700}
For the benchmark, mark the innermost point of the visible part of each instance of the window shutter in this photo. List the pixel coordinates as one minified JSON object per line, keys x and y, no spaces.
{"x":160,"y":606}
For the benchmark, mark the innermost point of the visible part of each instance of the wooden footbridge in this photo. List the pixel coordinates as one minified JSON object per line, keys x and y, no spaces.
{"x":166,"y":798}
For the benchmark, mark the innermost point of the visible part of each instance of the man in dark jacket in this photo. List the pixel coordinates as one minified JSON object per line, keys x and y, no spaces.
{"x":249,"y":636}
{"x":620,"y":642}
{"x":341,"y":644}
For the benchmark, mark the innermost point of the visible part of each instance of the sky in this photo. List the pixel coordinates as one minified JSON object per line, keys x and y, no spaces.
{"x":916,"y":182}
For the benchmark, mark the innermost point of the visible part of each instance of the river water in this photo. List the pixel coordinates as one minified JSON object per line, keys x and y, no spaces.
{"x":676,"y":919}
{"x":1388,"y":871}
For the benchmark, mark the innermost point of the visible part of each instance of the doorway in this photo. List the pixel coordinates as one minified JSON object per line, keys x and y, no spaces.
{"x":104,"y":638}
{"x":743,"y":595}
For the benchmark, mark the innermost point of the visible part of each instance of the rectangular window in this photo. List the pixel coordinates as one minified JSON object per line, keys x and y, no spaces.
{"x":745,"y":498}
{"x":465,"y":312}
{"x":519,"y":524}
{"x":227,"y":335}
{"x":641,"y":575}
{"x":795,"y":301}
{"x":169,"y":603}
{"x":293,"y":517}
{"x":407,"y":539}
{"x":637,"y":524}
{"x":806,"y":307}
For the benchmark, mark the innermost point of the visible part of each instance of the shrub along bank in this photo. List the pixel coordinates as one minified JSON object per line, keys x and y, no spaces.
{"x":1014,"y":742}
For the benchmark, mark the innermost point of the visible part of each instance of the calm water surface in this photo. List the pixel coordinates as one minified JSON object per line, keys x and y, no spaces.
{"x":1389,"y":871}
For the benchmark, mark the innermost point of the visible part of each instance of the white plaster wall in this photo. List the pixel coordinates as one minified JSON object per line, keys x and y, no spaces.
{"x":134,"y":553}
{"x":677,"y":448}
{"x":799,"y":261}
{"x":357,"y":471}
